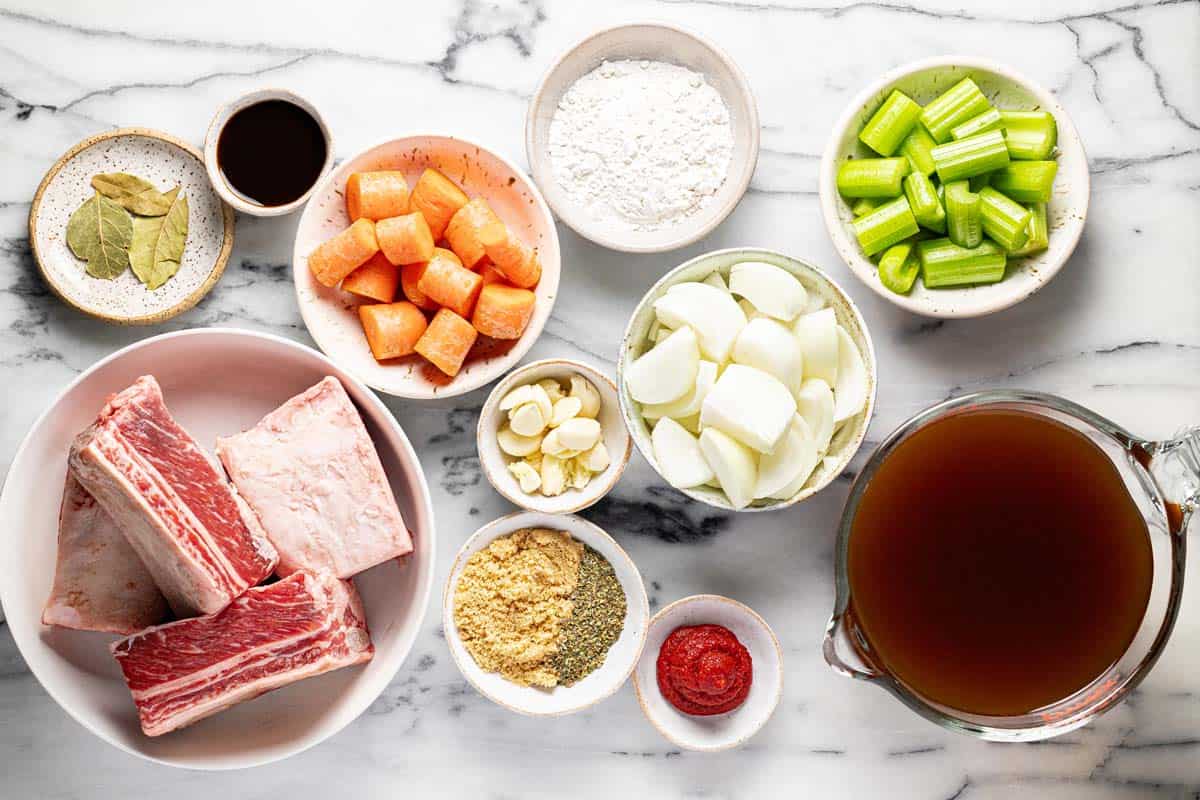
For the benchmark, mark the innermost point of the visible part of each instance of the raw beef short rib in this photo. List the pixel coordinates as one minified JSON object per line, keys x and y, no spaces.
{"x":198,"y":539}
{"x":311,"y":473}
{"x":271,"y":636}
{"x":100,"y":584}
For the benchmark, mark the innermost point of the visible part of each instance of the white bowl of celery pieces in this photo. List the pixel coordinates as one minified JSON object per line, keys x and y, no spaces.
{"x":991,"y":169}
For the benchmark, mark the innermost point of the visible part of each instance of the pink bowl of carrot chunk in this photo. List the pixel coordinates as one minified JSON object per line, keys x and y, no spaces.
{"x":427,"y":266}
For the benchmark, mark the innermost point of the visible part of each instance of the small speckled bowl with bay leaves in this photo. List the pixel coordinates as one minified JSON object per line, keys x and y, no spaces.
{"x":164,"y":161}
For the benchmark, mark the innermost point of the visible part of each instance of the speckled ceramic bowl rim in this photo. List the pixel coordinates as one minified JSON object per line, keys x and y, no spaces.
{"x":145,"y":319}
{"x":213,"y":136}
{"x":715,"y":214}
{"x":485,"y":427}
{"x":631,"y":417}
{"x":748,"y":612}
{"x":848,"y":248}
{"x":495,"y":529}
{"x":551,"y":272}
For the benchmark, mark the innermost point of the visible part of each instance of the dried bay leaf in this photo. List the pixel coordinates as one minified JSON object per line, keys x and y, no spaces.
{"x":134,"y":193}
{"x":156,"y":250}
{"x":99,"y":232}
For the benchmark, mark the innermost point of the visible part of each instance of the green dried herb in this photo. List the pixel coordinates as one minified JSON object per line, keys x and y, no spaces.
{"x":596,"y":621}
{"x":136,"y":194}
{"x":99,"y":232}
{"x":156,"y":249}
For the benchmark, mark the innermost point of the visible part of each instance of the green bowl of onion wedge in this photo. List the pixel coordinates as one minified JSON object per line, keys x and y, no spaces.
{"x":954,"y":186}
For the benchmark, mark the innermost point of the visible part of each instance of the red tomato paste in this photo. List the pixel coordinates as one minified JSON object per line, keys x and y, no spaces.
{"x":704,"y":670}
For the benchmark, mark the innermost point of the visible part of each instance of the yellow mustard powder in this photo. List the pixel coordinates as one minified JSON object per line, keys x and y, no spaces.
{"x":512,"y":599}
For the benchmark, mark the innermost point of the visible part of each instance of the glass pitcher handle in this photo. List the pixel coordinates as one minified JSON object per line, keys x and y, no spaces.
{"x":841,"y":654}
{"x":1175,"y":465}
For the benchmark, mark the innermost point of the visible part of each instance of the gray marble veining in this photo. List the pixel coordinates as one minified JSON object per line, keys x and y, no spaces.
{"x":1118,"y":330}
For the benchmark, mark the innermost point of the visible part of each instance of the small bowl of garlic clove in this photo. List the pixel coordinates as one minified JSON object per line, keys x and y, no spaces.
{"x":551,"y":437}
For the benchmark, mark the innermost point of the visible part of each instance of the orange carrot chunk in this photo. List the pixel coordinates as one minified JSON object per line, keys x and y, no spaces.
{"x":405,"y":239}
{"x":339,"y":256}
{"x":392,"y":329}
{"x":503,"y":312}
{"x":489,"y":273}
{"x":447,"y":341}
{"x":410,"y":277}
{"x":516,"y":261}
{"x":376,"y":279}
{"x":448,"y":283}
{"x":463,"y":231}
{"x":376,"y":195}
{"x":438,"y":199}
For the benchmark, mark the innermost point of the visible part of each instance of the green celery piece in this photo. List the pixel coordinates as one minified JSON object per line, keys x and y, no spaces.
{"x":1005,"y":221}
{"x":1026,"y":181}
{"x":917,"y":147}
{"x":898,"y":267}
{"x":924,"y":202}
{"x":872,"y":177}
{"x":1039,"y":232}
{"x":865,"y":205}
{"x":943,"y":263}
{"x":975,"y":155}
{"x":956,"y":105}
{"x":885,"y":226}
{"x":977,"y":182}
{"x":964,"y":223}
{"x":1030,"y":135}
{"x":989,"y":120}
{"x":890,"y":124}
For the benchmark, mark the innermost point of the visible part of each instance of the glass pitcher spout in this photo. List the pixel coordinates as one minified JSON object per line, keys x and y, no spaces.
{"x":1175,"y":467}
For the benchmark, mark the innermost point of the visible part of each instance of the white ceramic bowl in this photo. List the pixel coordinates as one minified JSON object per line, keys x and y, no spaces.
{"x":330,"y":314}
{"x":846,"y":439}
{"x":923,"y":81}
{"x":495,"y":462}
{"x":622,"y":657}
{"x":213,"y":137}
{"x":216,"y":382}
{"x":720,"y":731}
{"x":654,"y":42}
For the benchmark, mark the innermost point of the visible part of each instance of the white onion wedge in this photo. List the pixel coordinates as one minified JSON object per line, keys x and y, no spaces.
{"x":666,"y":372}
{"x":734,"y":464}
{"x":715,"y":280}
{"x":750,"y":311}
{"x":768,"y":345}
{"x":784,"y":472}
{"x":817,"y":333}
{"x":814,"y":402}
{"x":690,"y":403}
{"x":750,"y":405}
{"x":773,"y":290}
{"x":714,"y":314}
{"x":850,"y":391}
{"x":678,"y":455}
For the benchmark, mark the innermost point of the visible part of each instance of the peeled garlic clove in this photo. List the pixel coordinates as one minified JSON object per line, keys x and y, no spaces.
{"x":527,"y":419}
{"x":554,"y":476}
{"x":578,"y":433}
{"x":565,"y":409}
{"x":518,"y":396}
{"x":542,"y":401}
{"x":551,"y":445}
{"x":596,"y":459}
{"x":552,"y":388}
{"x":580,"y":476}
{"x":526,"y":476}
{"x":589,"y":396}
{"x":515,"y":444}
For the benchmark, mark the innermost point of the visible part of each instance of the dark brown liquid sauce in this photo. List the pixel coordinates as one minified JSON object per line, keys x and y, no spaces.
{"x":998,"y":563}
{"x":271,"y":153}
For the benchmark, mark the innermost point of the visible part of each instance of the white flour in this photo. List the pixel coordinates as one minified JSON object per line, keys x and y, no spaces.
{"x":641,"y":144}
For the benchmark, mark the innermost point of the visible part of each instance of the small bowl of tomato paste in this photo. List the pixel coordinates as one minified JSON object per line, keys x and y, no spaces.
{"x":711,"y":673}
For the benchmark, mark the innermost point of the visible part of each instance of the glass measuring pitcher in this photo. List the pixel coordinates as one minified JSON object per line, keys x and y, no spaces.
{"x":1163,"y":481}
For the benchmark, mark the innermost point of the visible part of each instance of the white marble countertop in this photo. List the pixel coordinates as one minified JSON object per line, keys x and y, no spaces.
{"x":1118,"y":330}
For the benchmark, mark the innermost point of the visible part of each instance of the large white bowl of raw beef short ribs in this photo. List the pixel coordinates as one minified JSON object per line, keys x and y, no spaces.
{"x":241,"y":557}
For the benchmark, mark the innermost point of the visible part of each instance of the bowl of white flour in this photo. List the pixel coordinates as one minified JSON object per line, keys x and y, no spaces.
{"x":643,"y":137}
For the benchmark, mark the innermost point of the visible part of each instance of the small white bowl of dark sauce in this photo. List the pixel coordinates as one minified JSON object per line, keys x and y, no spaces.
{"x":266,"y":150}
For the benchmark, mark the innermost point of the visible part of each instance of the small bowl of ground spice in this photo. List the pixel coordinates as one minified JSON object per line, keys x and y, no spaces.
{"x":711,"y":673}
{"x":544,"y":614}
